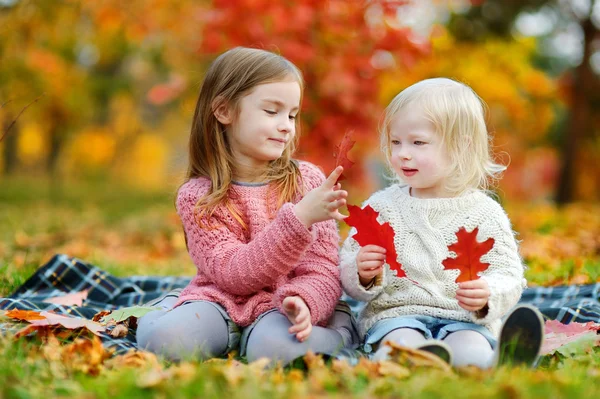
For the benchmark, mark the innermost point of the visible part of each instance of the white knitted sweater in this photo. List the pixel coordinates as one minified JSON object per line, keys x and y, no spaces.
{"x":424,"y":228}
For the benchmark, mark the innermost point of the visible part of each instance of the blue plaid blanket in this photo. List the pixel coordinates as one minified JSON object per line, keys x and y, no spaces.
{"x":63,"y":275}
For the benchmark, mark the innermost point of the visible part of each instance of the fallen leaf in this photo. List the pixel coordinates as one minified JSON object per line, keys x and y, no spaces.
{"x":52,"y":319}
{"x":370,"y":232}
{"x":341,"y":154}
{"x":119,"y":331}
{"x":393,"y":369}
{"x":568,"y":338}
{"x":410,"y":358}
{"x":74,"y":299}
{"x":468,"y":253}
{"x":98,"y":316}
{"x":125,"y":313}
{"x":134,"y":358}
{"x":25,"y":315}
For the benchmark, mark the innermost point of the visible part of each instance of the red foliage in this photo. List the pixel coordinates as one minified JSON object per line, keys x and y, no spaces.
{"x":370,"y":232}
{"x":334,"y":43}
{"x":341,"y":154}
{"x":468,"y":253}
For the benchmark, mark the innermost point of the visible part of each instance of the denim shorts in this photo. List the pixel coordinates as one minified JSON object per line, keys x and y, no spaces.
{"x":431,"y":327}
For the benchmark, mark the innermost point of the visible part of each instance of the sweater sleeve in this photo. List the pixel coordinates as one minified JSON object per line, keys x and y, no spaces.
{"x":235,"y":266}
{"x":316,"y":276}
{"x":505,"y":274}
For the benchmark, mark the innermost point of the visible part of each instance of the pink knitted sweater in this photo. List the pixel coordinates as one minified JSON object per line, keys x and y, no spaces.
{"x":251,"y":271}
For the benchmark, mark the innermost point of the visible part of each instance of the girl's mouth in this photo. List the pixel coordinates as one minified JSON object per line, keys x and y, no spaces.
{"x":409,"y":172}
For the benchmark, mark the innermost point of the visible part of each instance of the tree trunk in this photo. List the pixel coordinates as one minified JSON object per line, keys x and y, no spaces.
{"x":10,"y":161}
{"x":580,"y":118}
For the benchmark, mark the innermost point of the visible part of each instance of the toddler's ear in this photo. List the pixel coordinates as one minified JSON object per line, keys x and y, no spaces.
{"x":222,"y":111}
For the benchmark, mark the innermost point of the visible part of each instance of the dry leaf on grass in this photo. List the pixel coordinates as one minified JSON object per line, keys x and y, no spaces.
{"x":25,"y":315}
{"x":412,"y":358}
{"x":133,"y":358}
{"x":558,"y":336}
{"x":53,"y":319}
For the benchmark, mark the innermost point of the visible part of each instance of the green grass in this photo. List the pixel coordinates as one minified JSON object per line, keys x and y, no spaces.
{"x":127,"y":232}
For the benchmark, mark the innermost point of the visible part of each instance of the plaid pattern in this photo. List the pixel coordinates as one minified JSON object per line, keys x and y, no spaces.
{"x":63,"y":275}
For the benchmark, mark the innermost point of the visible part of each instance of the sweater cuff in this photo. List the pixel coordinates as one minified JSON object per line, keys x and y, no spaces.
{"x":503,"y":297}
{"x":320,"y":306}
{"x":294,"y":226}
{"x":366,"y":294}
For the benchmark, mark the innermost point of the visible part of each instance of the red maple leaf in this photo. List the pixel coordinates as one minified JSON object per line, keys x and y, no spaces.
{"x":341,"y":153}
{"x":370,"y":232}
{"x":468,"y":253}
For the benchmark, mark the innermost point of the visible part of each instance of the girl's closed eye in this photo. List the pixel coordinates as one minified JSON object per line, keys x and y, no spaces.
{"x":418,"y":142}
{"x":270,"y":112}
{"x":293,"y":117}
{"x":395,"y":142}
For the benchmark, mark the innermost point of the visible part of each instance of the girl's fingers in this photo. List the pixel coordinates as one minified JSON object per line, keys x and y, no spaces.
{"x":373,"y":248}
{"x":471,"y":301}
{"x":335,"y":205}
{"x":304,"y":334}
{"x":332,"y":178}
{"x":477,"y":293}
{"x":372,"y":256}
{"x":473,"y":284}
{"x":370,"y":265}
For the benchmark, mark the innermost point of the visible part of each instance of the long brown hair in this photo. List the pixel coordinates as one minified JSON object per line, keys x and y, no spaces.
{"x":229,"y":78}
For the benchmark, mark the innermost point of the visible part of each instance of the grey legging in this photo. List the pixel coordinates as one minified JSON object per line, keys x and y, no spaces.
{"x":200,"y":330}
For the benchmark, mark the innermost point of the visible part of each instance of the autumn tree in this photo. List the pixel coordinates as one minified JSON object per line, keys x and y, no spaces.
{"x":105,"y":69}
{"x":521,"y":101}
{"x":577,"y":138}
{"x":341,"y":47}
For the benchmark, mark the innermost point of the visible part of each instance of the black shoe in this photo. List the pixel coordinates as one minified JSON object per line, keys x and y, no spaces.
{"x":433,"y":346}
{"x":438,"y":348}
{"x":521,"y":337}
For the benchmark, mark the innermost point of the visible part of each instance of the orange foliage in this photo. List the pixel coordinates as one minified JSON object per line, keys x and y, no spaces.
{"x":522,"y":103}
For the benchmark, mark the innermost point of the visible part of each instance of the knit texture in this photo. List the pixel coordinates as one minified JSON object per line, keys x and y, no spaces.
{"x":424,"y":228}
{"x":251,"y":271}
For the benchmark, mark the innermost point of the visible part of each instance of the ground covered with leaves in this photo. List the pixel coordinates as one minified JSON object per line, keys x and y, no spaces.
{"x":138,"y":233}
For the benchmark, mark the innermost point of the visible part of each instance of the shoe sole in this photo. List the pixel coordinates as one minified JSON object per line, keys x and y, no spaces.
{"x":521,"y":337}
{"x":438,"y":348}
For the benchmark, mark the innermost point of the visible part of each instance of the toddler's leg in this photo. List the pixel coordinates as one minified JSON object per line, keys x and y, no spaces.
{"x":270,"y":338}
{"x":341,"y":321}
{"x":403,"y":336}
{"x":193,"y":329}
{"x":470,"y":348}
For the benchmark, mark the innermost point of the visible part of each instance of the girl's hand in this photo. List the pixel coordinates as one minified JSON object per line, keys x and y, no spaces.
{"x":298,"y":314}
{"x":322,"y":203}
{"x":369,"y":262}
{"x":473,"y":295}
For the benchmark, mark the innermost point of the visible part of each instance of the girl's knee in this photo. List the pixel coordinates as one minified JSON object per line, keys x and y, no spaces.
{"x":278,"y":349}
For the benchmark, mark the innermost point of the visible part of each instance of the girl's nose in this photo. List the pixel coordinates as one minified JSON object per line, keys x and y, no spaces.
{"x":404,"y":154}
{"x":285,"y":125}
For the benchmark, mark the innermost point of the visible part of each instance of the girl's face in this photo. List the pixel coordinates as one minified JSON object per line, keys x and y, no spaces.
{"x":418,"y":155}
{"x":264,"y":125}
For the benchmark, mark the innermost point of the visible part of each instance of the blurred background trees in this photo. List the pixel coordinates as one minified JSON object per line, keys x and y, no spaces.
{"x":118,"y":81}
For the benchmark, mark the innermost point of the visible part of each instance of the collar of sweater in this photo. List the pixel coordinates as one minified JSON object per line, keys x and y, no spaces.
{"x":402,"y":197}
